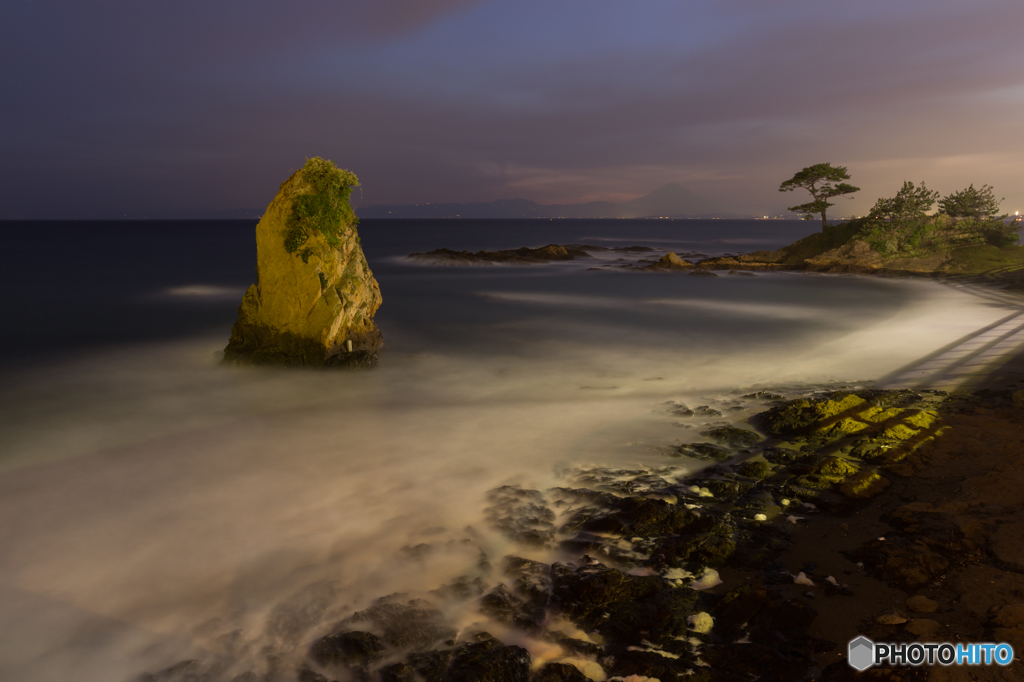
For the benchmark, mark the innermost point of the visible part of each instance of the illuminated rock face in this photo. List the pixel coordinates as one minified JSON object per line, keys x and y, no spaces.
{"x":316,"y":312}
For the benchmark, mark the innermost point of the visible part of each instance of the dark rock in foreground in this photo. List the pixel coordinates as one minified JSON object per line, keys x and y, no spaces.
{"x":639,"y":549}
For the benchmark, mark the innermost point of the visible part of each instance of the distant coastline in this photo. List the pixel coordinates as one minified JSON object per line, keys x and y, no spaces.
{"x":668,"y":201}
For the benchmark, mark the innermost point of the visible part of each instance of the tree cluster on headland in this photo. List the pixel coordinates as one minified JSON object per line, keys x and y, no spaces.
{"x":899,"y":236}
{"x":902,"y":226}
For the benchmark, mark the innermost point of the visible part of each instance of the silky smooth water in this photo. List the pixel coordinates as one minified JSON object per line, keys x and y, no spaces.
{"x":156,"y":506}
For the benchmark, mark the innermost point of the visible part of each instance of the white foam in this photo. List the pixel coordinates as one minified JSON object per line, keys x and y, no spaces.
{"x":802,"y":579}
{"x":701,"y":623}
{"x":708,"y":579}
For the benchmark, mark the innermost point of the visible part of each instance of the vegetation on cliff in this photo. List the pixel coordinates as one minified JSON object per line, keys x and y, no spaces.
{"x":901,"y":227}
{"x":899,"y":235}
{"x":326,"y":210}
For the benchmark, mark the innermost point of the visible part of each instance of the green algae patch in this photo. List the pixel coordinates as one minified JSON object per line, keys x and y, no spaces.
{"x":924,"y":419}
{"x":843,"y":427}
{"x":915,"y":429}
{"x":864,"y":484}
{"x":898,"y":432}
{"x":867,"y":426}
{"x":801,"y":415}
{"x":877,"y":413}
{"x":836,"y":468}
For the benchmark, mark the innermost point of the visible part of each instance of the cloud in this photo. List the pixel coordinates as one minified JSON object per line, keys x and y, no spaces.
{"x":387,"y":17}
{"x":124,"y":104}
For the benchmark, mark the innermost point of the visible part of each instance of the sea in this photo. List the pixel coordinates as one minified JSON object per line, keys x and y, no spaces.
{"x":157,"y":506}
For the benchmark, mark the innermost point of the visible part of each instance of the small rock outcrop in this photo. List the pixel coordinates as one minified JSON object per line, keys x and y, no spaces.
{"x":857,"y":256}
{"x":314,"y":298}
{"x":670,"y":261}
{"x":521,"y":256}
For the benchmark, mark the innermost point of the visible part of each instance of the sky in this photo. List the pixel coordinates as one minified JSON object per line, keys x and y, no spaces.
{"x":121,"y":108}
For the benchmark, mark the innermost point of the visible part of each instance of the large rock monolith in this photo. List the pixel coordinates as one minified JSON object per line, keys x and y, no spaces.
{"x":314,"y":298}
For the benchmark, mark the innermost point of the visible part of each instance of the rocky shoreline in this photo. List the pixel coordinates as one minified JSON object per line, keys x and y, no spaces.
{"x":522,"y":256}
{"x":834,"y":251}
{"x":891,"y":514}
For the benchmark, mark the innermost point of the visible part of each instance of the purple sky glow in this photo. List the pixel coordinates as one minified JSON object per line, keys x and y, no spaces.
{"x":120,"y":108}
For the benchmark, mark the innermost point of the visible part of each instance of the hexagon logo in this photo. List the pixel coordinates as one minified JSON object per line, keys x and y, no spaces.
{"x":861,"y":654}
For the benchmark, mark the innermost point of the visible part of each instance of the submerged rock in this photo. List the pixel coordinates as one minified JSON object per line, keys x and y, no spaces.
{"x":411,"y":625}
{"x":485,"y":659}
{"x":347,"y":648}
{"x":314,"y":298}
{"x":703,"y":451}
{"x":730,"y":435}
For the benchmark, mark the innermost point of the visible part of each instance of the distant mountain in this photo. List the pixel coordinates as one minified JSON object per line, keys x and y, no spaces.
{"x":671,"y":200}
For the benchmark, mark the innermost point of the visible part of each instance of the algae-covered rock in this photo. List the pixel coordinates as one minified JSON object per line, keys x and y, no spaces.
{"x":703,"y":451}
{"x":730,"y":435}
{"x":864,"y":484}
{"x":755,"y":469}
{"x":801,"y":416}
{"x":835,"y":467}
{"x":875,"y":425}
{"x":827,"y":473}
{"x":314,"y":298}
